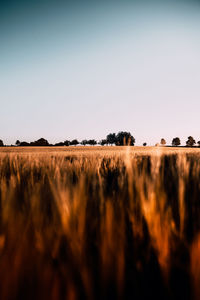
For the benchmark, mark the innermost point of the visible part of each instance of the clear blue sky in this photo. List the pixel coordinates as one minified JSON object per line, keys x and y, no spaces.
{"x":83,"y":69}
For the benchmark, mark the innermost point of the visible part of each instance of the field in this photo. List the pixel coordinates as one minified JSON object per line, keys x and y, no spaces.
{"x":99,"y":223}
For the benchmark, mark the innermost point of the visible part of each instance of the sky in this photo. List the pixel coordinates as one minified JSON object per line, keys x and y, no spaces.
{"x":83,"y":69}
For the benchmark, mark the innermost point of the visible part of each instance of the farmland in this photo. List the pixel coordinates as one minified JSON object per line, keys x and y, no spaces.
{"x":99,"y":223}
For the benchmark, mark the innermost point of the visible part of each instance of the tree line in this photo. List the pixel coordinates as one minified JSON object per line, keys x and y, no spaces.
{"x":122,"y":138}
{"x":177,"y":142}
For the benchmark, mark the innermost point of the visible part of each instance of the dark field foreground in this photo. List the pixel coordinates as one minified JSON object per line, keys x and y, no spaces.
{"x":115,"y":224}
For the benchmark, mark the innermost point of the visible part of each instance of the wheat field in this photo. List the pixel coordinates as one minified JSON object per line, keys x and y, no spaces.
{"x":99,"y":223}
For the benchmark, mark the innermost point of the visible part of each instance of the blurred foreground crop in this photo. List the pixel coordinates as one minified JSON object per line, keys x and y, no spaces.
{"x":116,"y":226}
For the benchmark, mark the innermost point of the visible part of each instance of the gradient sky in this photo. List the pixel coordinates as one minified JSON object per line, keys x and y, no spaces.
{"x":83,"y":69}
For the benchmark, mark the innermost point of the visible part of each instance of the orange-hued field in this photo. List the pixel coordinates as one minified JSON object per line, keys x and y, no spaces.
{"x":103,"y":150}
{"x":99,"y":223}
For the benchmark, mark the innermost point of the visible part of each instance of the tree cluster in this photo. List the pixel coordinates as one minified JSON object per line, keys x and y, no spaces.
{"x":123,"y":138}
{"x":89,"y":142}
{"x":39,"y":143}
{"x":189,"y":143}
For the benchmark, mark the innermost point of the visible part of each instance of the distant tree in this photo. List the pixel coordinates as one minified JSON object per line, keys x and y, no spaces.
{"x":1,"y":143}
{"x":74,"y":142}
{"x":84,"y":142}
{"x":163,"y":142}
{"x":144,"y":144}
{"x":198,"y":143}
{"x":157,"y":145}
{"x":111,"y":138}
{"x":92,"y":142}
{"x":59,"y":144}
{"x":40,"y":143}
{"x":176,"y":142}
{"x":190,"y":142}
{"x":66,"y":143}
{"x":103,"y":142}
{"x":124,"y":138}
{"x":17,"y":143}
{"x":24,"y":144}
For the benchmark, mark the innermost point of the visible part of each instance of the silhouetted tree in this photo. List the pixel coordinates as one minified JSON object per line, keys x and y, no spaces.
{"x":144,"y":144}
{"x":198,"y":143}
{"x":84,"y":142}
{"x":24,"y":144}
{"x":190,"y":142}
{"x":1,"y":143}
{"x":103,"y":142}
{"x":40,"y":143}
{"x":111,"y":138}
{"x":17,"y":143}
{"x":59,"y":144}
{"x":92,"y":142}
{"x":176,"y":142}
{"x":66,"y":143}
{"x":163,"y":142}
{"x":74,"y":142}
{"x":124,"y":138}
